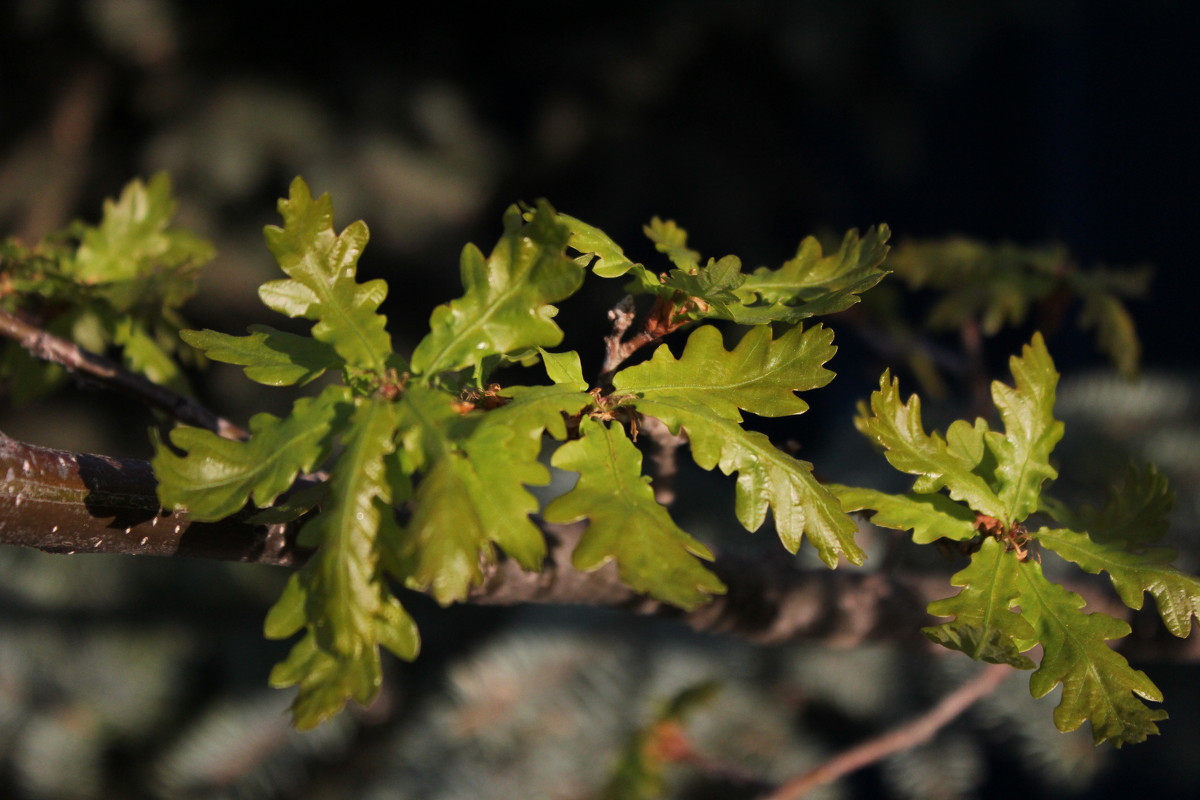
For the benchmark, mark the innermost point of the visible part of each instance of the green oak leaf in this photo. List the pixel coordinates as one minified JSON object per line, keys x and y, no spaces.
{"x":146,"y":354}
{"x":897,"y":427}
{"x":507,"y":306}
{"x":760,"y":375}
{"x":929,"y":516}
{"x":604,"y":256}
{"x":321,"y":265}
{"x":985,"y":625}
{"x":1098,"y":683}
{"x":768,"y":479}
{"x":134,"y":240}
{"x":1133,"y":574}
{"x":271,"y":357}
{"x":626,"y":524}
{"x":811,"y":283}
{"x":483,"y":461}
{"x":218,"y":476}
{"x":564,"y":369}
{"x":340,"y":595}
{"x":1030,"y":430}
{"x":671,"y":239}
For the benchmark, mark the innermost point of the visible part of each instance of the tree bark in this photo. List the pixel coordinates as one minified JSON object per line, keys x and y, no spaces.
{"x":70,"y":503}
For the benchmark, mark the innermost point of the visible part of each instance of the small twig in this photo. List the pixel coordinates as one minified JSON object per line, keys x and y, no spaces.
{"x":905,"y":737}
{"x":48,"y":347}
{"x":663,"y":318}
{"x":622,"y":318}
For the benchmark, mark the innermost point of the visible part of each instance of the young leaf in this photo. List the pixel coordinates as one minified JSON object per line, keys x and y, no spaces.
{"x":472,"y":494}
{"x":671,"y":239}
{"x":218,"y":476}
{"x":1098,"y":683}
{"x":506,"y":308}
{"x":564,"y":369}
{"x":759,"y":375}
{"x":1133,"y":574}
{"x":605,"y":256}
{"x":985,"y":626}
{"x":321,"y":266}
{"x":271,"y":357}
{"x":929,"y":516}
{"x":811,"y":283}
{"x":347,"y":608}
{"x":1030,"y":430}
{"x":768,"y":478}
{"x":702,"y":392}
{"x":897,"y":428}
{"x":134,"y":238}
{"x":626,"y":524}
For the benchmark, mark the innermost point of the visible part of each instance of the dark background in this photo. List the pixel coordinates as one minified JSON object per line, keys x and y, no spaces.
{"x":751,"y":123}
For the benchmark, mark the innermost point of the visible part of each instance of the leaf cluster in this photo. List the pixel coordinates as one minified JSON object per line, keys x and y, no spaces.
{"x":118,"y":283}
{"x":1001,"y":285}
{"x":429,"y":461}
{"x":983,"y":488}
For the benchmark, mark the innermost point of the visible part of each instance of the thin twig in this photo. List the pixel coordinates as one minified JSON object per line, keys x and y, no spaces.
{"x":664,"y":317}
{"x":48,"y":347}
{"x":905,"y":737}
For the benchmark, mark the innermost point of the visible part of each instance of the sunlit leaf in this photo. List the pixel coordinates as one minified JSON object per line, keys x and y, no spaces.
{"x":1098,"y":683}
{"x":321,"y":265}
{"x":625,"y":523}
{"x":506,"y":308}
{"x":216,"y":476}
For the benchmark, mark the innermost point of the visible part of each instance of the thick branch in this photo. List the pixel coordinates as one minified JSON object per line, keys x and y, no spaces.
{"x":48,"y":347}
{"x":64,"y":502}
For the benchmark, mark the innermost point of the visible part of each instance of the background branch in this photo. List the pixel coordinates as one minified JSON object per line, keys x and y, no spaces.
{"x":48,"y":347}
{"x":905,"y":737}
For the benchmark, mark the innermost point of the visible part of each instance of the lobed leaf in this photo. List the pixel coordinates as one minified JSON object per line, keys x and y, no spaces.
{"x":604,"y":256}
{"x":897,"y":427}
{"x":134,"y":239}
{"x":1133,"y":574}
{"x":216,"y":476}
{"x":759,"y":375}
{"x":271,"y":357}
{"x":626,"y":524}
{"x":472,"y":494}
{"x":811,"y":283}
{"x":1098,"y":683}
{"x":506,"y":308}
{"x":340,"y":595}
{"x":985,"y":625}
{"x":929,"y":516}
{"x":321,"y":266}
{"x":1030,"y":430}
{"x":768,"y":479}
{"x":671,"y":239}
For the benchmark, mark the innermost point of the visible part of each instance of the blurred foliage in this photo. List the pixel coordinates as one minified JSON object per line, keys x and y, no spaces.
{"x":998,"y":286}
{"x":119,"y":283}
